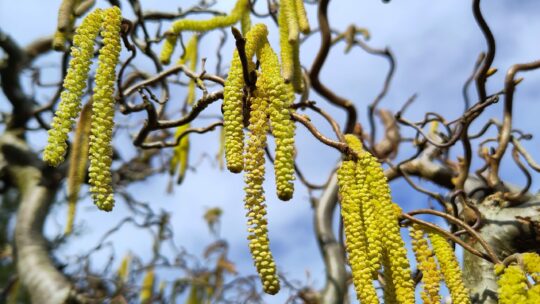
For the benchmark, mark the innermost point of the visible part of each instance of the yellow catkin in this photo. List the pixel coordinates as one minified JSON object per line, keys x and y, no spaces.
{"x":286,"y":50}
{"x":394,"y":253}
{"x":66,"y":21}
{"x":103,"y":112}
{"x":292,"y":19}
{"x":123,"y":270}
{"x":200,"y":26}
{"x":533,"y":295}
{"x":78,"y":160}
{"x":254,"y":197}
{"x":369,"y":207}
{"x":147,"y":288}
{"x":169,"y":44}
{"x":245,"y":21}
{"x":355,"y":238}
{"x":389,"y":292}
{"x":531,"y":261}
{"x":297,"y":80}
{"x":74,"y":87}
{"x":233,"y":94}
{"x":191,"y":56}
{"x":512,"y":286}
{"x":303,"y":22}
{"x":281,"y":97}
{"x":221,"y":150}
{"x":426,"y":263}
{"x":233,"y":122}
{"x":179,"y":161}
{"x":450,"y":269}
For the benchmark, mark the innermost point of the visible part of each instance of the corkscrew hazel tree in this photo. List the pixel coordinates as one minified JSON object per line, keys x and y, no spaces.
{"x":375,"y":248}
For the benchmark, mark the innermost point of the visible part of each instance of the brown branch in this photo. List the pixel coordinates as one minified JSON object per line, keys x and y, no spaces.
{"x":506,"y":130}
{"x":316,"y":68}
{"x":450,"y":236}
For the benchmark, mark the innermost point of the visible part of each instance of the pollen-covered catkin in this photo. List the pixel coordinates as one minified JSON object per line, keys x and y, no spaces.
{"x":233,"y":122}
{"x":191,"y":56}
{"x":286,"y":50}
{"x":426,"y":263}
{"x":303,"y":22}
{"x":512,"y":286}
{"x":78,"y":159}
{"x":168,"y":48}
{"x":201,"y":26}
{"x":450,"y":269}
{"x":370,"y":206}
{"x":384,"y":242}
{"x":179,"y":161}
{"x":103,"y":112}
{"x":147,"y":288}
{"x":74,"y":86}
{"x":531,"y":262}
{"x":355,"y":239}
{"x":281,"y":97}
{"x":254,"y":197}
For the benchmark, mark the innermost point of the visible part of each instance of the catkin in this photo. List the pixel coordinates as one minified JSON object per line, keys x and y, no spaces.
{"x":512,"y":286}
{"x":303,"y":22}
{"x":426,"y":263}
{"x":191,"y":57}
{"x":74,"y":87}
{"x":531,"y":262}
{"x":179,"y":161}
{"x":356,"y":242}
{"x":380,"y":225}
{"x":281,"y":98}
{"x":147,"y":288}
{"x":123,"y":270}
{"x":286,"y":50}
{"x":233,"y":122}
{"x":288,"y":20}
{"x":450,"y":269}
{"x":254,"y":198}
{"x":103,"y":112}
{"x":78,"y":160}
{"x":388,"y":230}
{"x":200,"y":26}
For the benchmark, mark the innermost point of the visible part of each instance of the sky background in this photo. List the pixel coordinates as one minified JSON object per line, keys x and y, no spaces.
{"x":435,"y":44}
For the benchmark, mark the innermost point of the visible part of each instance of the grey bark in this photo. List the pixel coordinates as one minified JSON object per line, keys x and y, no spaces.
{"x":508,"y":230}
{"x":336,"y":285}
{"x":45,"y":283}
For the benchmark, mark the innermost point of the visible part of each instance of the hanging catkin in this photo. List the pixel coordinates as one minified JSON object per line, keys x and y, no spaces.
{"x":103,"y":112}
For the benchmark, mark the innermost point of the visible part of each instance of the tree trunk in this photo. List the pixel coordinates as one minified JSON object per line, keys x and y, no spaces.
{"x":508,"y":230}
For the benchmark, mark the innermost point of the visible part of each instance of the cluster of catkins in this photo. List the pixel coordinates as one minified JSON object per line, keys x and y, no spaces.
{"x":107,"y":23}
{"x":373,"y":239}
{"x":514,"y":286}
{"x":270,"y":110}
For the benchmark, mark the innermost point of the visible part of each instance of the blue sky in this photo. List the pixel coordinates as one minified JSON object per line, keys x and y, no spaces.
{"x":435,"y":44}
